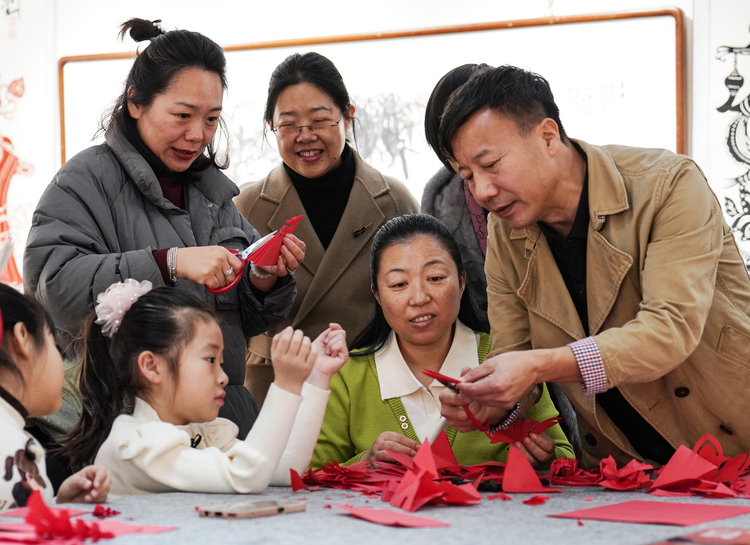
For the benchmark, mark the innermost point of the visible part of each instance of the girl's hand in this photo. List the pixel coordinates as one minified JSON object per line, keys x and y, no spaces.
{"x":292,"y":357}
{"x":538,"y":448}
{"x":207,"y":264}
{"x":90,"y":485}
{"x":395,"y":442}
{"x":332,"y":355}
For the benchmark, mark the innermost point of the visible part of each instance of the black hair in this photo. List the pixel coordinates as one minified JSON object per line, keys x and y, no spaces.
{"x":436,"y":104}
{"x":400,"y":230}
{"x":312,"y":68}
{"x":162,"y":321}
{"x":15,"y":308}
{"x":153,"y":71}
{"x":523,"y":96}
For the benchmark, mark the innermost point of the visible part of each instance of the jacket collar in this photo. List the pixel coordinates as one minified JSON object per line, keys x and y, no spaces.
{"x":361,"y":219}
{"x":607,"y":194}
{"x":606,"y":265}
{"x":212,"y":183}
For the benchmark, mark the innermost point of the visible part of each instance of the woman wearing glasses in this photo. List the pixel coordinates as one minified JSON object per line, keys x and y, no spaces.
{"x":343,"y":199}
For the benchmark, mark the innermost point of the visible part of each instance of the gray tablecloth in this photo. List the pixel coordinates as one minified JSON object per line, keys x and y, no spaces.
{"x":491,"y":522}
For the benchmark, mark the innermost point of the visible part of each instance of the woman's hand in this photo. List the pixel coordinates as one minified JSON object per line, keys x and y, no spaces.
{"x":292,"y":357}
{"x":538,"y":448}
{"x":395,"y":442}
{"x":90,"y":485}
{"x":207,"y":265}
{"x":452,"y":408}
{"x":331,"y":356}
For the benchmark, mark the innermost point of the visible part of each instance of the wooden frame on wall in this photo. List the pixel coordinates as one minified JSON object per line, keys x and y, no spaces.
{"x":616,"y":73}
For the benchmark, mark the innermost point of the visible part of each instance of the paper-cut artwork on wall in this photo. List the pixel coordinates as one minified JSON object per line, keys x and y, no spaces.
{"x":738,"y":143}
{"x":10,"y":165}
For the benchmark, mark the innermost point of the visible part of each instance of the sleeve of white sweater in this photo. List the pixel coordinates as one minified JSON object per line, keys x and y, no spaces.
{"x":163,"y":453}
{"x":299,"y":449}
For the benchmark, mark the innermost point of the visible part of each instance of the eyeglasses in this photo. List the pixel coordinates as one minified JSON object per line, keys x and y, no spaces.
{"x":318,"y":126}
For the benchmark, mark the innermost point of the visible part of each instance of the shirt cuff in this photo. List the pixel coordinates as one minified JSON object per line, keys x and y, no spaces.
{"x":512,"y":417}
{"x":590,"y":362}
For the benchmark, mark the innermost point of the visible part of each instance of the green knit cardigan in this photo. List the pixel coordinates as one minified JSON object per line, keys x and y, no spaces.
{"x":356,"y":415}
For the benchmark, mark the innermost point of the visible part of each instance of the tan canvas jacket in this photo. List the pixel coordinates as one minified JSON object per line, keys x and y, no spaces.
{"x":668,"y":302}
{"x":332,"y":285}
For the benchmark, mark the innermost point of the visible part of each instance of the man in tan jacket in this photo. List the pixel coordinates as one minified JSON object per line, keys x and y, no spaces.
{"x":610,"y":270}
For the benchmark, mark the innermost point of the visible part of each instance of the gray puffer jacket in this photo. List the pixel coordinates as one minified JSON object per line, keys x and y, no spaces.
{"x":99,"y":222}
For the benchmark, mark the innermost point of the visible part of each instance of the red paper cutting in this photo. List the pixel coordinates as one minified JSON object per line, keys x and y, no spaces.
{"x":684,"y":469}
{"x":520,"y":476}
{"x":392,"y":518}
{"x":653,"y":512}
{"x":268,"y":254}
{"x":58,"y":525}
{"x":520,"y":430}
{"x":630,"y":477}
{"x":565,"y":472}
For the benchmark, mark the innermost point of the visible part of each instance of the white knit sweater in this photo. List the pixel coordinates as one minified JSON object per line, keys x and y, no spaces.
{"x":144,"y":455}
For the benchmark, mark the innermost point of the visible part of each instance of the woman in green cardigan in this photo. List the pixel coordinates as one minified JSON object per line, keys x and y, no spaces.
{"x":381,"y":399}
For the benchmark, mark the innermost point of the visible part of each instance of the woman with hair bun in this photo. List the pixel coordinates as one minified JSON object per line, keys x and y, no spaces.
{"x":343,"y":199}
{"x":151,"y":203}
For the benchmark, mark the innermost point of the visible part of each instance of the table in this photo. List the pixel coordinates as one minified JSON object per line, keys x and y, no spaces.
{"x":491,"y":522}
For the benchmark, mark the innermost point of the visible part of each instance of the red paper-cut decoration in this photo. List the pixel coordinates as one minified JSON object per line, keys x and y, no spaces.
{"x":58,"y":525}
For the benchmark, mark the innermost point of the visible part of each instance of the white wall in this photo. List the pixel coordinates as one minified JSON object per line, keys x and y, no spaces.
{"x":46,"y":30}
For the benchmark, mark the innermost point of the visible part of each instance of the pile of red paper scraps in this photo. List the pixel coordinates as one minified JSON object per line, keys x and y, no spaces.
{"x":703,"y":471}
{"x":435,"y":476}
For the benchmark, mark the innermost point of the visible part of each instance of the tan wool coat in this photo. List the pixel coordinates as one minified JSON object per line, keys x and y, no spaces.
{"x":668,"y":302}
{"x":333,"y":285}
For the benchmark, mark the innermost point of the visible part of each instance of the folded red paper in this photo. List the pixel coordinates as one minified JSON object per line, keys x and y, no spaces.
{"x":654,"y":512}
{"x":392,"y":518}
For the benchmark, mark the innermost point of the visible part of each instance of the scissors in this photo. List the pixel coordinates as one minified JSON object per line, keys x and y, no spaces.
{"x":244,"y":256}
{"x":450,"y":383}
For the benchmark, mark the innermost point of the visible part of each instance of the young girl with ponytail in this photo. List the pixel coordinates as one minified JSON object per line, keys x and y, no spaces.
{"x":152,"y":384}
{"x":31,"y":382}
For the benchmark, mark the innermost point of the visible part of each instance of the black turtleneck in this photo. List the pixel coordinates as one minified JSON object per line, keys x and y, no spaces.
{"x":325,"y":198}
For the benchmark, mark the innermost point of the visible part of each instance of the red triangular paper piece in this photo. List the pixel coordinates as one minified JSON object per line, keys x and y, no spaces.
{"x":520,"y":476}
{"x":297,"y":483}
{"x":443,"y":453}
{"x":684,"y":469}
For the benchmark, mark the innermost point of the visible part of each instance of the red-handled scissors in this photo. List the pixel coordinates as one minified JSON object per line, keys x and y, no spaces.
{"x":450,"y":383}
{"x":244,"y":257}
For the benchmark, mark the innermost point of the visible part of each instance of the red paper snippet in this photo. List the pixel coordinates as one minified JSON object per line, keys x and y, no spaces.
{"x":537,"y":499}
{"x":392,"y":518}
{"x":654,"y":512}
{"x":102,"y":512}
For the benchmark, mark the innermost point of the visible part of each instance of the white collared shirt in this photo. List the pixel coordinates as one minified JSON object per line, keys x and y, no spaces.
{"x":423,"y":404}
